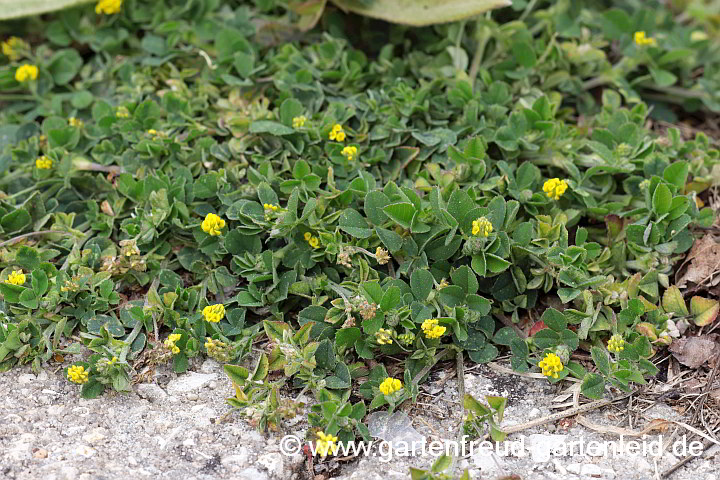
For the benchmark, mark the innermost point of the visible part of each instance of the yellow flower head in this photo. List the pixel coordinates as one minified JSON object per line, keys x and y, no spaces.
{"x":337,"y":133}
{"x":551,"y":365}
{"x":314,"y":242}
{"x":307,"y":236}
{"x":213,"y":224}
{"x":269,"y":206}
{"x":390,"y":385}
{"x":78,"y":374}
{"x":326,"y":444}
{"x":214,"y":313}
{"x":298,"y":122}
{"x":43,"y":163}
{"x":383,"y":336}
{"x":349,"y":152}
{"x":616,"y":344}
{"x":555,"y":188}
{"x":122,"y":112}
{"x":170,"y":342}
{"x":16,"y":277}
{"x":26,"y":72}
{"x":431,"y":329}
{"x":641,"y":39}
{"x":74,"y":122}
{"x":152,"y":131}
{"x":108,"y":7}
{"x":11,"y":46}
{"x":482,"y":227}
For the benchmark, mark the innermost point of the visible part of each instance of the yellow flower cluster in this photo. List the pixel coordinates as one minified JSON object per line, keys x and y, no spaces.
{"x":431,"y":329}
{"x":616,"y":344}
{"x":26,"y":72}
{"x":214,"y":313}
{"x":213,"y":224}
{"x":170,"y":342}
{"x":43,"y":163}
{"x":74,"y":122}
{"x":641,"y":39}
{"x":349,"y":152}
{"x":108,"y":7}
{"x":122,"y":112}
{"x":383,"y":337}
{"x":268,"y":206}
{"x":555,"y":188}
{"x":482,"y":227}
{"x":390,"y":385}
{"x":337,"y":133}
{"x":16,"y":277}
{"x":314,"y":242}
{"x":11,"y":46}
{"x":78,"y":374}
{"x":325,"y":444}
{"x":299,"y":122}
{"x":551,"y":365}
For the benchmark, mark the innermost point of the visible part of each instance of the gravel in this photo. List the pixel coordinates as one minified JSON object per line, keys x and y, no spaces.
{"x":185,"y":429}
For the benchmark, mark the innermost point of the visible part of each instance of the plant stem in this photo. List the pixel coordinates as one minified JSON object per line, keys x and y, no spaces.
{"x":31,"y":234}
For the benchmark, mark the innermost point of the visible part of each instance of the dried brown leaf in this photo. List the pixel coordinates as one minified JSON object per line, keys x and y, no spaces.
{"x":704,"y":263}
{"x":693,"y":352}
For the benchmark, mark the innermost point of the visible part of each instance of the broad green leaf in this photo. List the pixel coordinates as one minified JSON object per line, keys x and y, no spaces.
{"x":420,"y":12}
{"x":354,"y":224}
{"x":662,"y":200}
{"x":593,"y":386}
{"x":421,"y":283}
{"x":26,"y":8}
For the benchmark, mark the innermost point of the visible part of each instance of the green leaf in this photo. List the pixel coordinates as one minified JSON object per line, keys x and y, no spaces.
{"x":677,"y":173}
{"x":391,"y":299}
{"x":673,"y":302}
{"x":662,"y":200}
{"x":593,"y":386}
{"x":347,"y":336}
{"x":237,"y":374}
{"x":421,"y":284}
{"x":324,"y":355}
{"x":402,"y":213}
{"x":390,"y":239}
{"x":312,"y":313}
{"x":15,"y":220}
{"x":373,"y":292}
{"x":92,"y":389}
{"x":29,"y":300}
{"x":351,"y":222}
{"x":663,"y":78}
{"x":601,"y":359}
{"x":14,"y":9}
{"x":375,"y":201}
{"x":420,"y":12}
{"x":64,"y":65}
{"x":341,"y":379}
{"x":554,"y":319}
{"x":39,"y":282}
{"x":274,"y":330}
{"x":465,"y":278}
{"x":524,"y":54}
{"x":496,"y":264}
{"x":273,"y":128}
